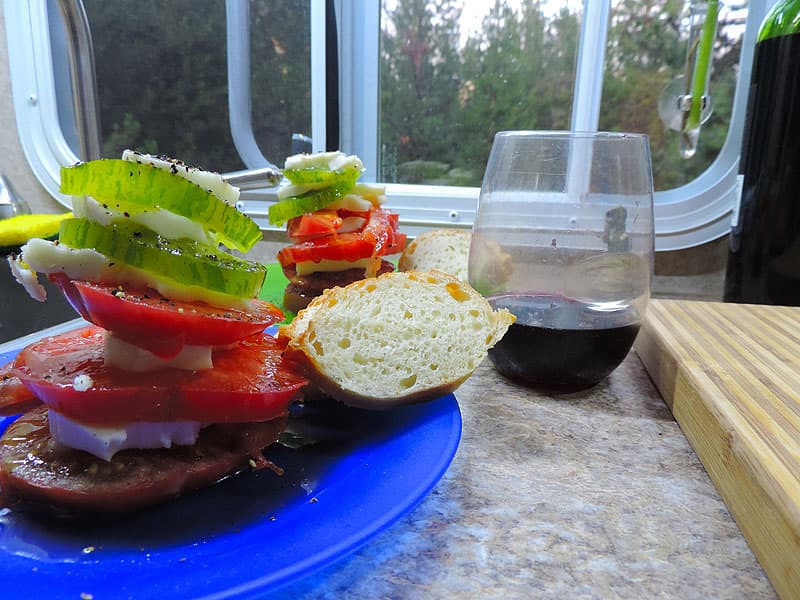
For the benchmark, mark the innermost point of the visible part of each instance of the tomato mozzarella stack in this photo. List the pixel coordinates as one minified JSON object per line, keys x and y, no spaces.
{"x":339,"y":230}
{"x":177,"y":340}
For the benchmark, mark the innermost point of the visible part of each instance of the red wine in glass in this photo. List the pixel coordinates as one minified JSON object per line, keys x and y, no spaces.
{"x":561,"y":345}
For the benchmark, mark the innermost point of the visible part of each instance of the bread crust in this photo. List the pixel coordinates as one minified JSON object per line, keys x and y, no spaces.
{"x":333,"y":389}
{"x":303,"y":338}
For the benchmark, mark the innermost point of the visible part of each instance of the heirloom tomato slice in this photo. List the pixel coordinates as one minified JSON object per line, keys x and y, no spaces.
{"x":162,"y":326}
{"x":314,"y":225}
{"x":379,"y":237}
{"x":15,"y":398}
{"x":249,"y":382}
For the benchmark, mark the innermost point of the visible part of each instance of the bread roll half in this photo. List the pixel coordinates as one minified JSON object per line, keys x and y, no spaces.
{"x":395,"y":339}
{"x":445,"y":250}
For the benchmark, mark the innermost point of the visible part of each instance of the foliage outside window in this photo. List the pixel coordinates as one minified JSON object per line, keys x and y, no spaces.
{"x":162,"y":77}
{"x":444,"y":90}
{"x":444,"y":94}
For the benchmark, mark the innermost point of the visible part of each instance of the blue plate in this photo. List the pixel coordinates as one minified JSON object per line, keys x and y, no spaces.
{"x":250,"y":534}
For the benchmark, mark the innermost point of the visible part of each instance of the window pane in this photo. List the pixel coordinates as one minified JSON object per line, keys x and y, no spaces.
{"x":162,"y":77}
{"x":453,"y":72}
{"x":280,"y":62}
{"x":646,"y":52}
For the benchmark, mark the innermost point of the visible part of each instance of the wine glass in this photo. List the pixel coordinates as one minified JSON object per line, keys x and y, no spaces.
{"x":563,"y":238}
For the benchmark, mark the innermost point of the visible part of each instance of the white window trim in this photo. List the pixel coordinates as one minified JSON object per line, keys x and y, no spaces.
{"x":237,"y":16}
{"x":34,"y":94}
{"x":690,"y":215}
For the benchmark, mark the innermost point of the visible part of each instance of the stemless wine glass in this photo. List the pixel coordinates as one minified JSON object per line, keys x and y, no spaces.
{"x":563,"y":238}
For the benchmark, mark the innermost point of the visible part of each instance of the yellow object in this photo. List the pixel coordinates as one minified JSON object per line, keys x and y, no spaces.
{"x":18,"y":230}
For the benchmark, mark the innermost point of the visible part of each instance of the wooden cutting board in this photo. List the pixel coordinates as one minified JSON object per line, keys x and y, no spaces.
{"x":730,"y":373}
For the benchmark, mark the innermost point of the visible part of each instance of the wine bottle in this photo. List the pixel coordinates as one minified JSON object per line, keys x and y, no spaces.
{"x":764,"y":255}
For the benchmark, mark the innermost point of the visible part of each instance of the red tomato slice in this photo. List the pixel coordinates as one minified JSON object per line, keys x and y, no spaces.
{"x":313,"y":225}
{"x":64,"y":482}
{"x":381,"y":232}
{"x":250,"y":382}
{"x":162,"y":326}
{"x":15,"y":398}
{"x":378,"y":238}
{"x":345,"y":246}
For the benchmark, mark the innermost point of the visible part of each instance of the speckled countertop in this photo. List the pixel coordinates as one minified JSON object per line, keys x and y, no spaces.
{"x":591,"y":495}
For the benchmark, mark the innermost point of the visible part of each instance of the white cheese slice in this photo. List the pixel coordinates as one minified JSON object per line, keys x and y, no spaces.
{"x":372,"y":192}
{"x":119,"y":353}
{"x":105,"y":442}
{"x":298,"y":189}
{"x":163,"y":222}
{"x":26,"y":278}
{"x":45,"y":256}
{"x":352,"y":202}
{"x":208,"y":180}
{"x":334,"y":266}
{"x":324,"y":160}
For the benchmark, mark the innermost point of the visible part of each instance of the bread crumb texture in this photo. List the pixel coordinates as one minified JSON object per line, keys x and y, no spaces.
{"x":445,"y":250}
{"x":398,"y":335}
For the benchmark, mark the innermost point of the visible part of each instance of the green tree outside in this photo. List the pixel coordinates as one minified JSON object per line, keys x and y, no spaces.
{"x":162,"y":78}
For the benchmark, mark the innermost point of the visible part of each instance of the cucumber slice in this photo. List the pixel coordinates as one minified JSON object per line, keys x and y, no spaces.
{"x":123,"y":184}
{"x":208,"y":180}
{"x":183,"y":261}
{"x":294,"y":206}
{"x":318,"y":177}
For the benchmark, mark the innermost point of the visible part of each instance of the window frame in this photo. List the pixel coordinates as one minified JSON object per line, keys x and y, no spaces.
{"x":34,"y":93}
{"x":695,"y":213}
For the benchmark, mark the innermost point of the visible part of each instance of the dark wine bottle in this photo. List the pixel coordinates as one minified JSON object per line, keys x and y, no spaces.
{"x":764,"y":256}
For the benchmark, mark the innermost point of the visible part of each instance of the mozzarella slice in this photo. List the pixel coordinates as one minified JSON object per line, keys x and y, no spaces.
{"x":369,"y":265}
{"x":163,"y":222}
{"x":352,"y":202}
{"x":332,"y":161}
{"x":105,"y":442}
{"x":119,"y":353}
{"x":26,"y":278}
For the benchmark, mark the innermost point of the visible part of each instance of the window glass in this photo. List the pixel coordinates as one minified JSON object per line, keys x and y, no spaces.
{"x":453,"y":72}
{"x":646,"y":54}
{"x":280,"y":63}
{"x":162,"y":77}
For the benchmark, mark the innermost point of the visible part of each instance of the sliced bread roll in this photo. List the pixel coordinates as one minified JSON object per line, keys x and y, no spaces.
{"x":445,"y":250}
{"x":396,"y":339}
